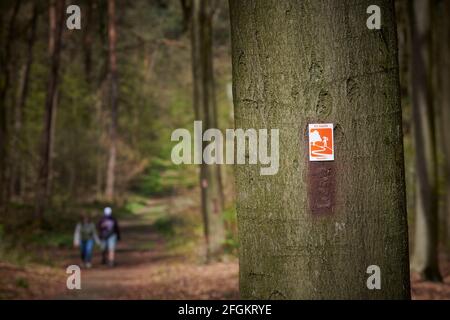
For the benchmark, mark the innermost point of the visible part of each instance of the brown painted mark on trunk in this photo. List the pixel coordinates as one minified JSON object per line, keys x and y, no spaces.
{"x":321,"y":187}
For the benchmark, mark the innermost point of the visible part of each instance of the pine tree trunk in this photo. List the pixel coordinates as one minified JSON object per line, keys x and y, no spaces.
{"x":425,"y":255}
{"x":113,"y":92}
{"x":56,"y":20}
{"x":205,"y":110}
{"x":300,"y":62}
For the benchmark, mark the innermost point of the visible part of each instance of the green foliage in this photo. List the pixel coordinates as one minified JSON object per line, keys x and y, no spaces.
{"x":52,"y":240}
{"x":164,"y":178}
{"x":166,"y":225}
{"x":134,"y":206}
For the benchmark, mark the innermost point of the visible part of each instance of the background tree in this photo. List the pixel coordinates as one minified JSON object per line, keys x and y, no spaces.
{"x":22,"y":95}
{"x":5,"y":73}
{"x":88,"y":39}
{"x":425,"y":257}
{"x":56,"y":22}
{"x":300,"y":242}
{"x":441,"y":77}
{"x":113,"y":93}
{"x":205,"y":111}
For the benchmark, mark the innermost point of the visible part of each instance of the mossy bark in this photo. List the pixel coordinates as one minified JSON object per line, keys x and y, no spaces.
{"x":301,"y":62}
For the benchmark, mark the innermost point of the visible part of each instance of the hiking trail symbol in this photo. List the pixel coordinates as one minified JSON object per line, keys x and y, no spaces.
{"x":321,"y":143}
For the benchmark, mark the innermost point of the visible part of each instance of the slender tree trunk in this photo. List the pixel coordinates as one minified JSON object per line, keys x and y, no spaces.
{"x":5,"y":73}
{"x":209,"y":83}
{"x":445,"y":96}
{"x":87,"y":41}
{"x":56,"y":18}
{"x":113,"y":92}
{"x":442,"y":71}
{"x":300,"y":62}
{"x":100,"y":133}
{"x":186,"y":9}
{"x":21,"y":101}
{"x":103,"y":83}
{"x":425,"y":257}
{"x":205,"y":111}
{"x":52,"y":141}
{"x":404,"y":48}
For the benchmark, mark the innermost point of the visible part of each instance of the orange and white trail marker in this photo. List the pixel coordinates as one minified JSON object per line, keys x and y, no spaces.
{"x":321,"y":142}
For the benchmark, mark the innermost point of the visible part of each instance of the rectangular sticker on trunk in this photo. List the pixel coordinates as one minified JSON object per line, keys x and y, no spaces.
{"x":321,"y":142}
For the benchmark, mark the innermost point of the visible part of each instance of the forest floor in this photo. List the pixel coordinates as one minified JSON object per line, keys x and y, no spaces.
{"x":425,"y":290}
{"x":147,"y":268}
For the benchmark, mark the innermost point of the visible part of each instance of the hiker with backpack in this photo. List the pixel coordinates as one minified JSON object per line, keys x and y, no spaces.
{"x":84,"y":237}
{"x":109,"y":232}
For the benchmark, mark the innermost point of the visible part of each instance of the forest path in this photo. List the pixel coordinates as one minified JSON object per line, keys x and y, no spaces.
{"x":147,"y":270}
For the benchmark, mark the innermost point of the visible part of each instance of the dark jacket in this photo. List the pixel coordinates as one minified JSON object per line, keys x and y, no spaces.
{"x":107,"y":226}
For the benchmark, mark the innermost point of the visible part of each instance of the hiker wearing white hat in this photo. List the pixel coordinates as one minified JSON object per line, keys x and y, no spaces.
{"x":107,"y":211}
{"x":109,"y":235}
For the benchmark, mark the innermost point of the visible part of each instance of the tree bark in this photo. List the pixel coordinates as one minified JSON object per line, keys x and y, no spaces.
{"x":186,"y":8}
{"x":56,"y":19}
{"x":87,"y":41}
{"x":4,"y":134}
{"x":17,"y":181}
{"x":442,"y":71}
{"x":113,"y":92}
{"x":300,"y":62}
{"x":425,"y":256}
{"x":205,"y":111}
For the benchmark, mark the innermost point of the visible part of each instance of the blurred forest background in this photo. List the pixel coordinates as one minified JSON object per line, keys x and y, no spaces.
{"x":86,"y":118}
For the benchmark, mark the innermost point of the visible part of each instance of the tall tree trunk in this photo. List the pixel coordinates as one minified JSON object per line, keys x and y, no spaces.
{"x":300,"y":62}
{"x":87,"y":41}
{"x":56,"y":18}
{"x":21,"y":101}
{"x":186,"y":9}
{"x":425,"y":256}
{"x":442,"y":70}
{"x":52,"y":141}
{"x":205,"y":111}
{"x":5,"y":73}
{"x":113,"y":93}
{"x":404,"y":48}
{"x":100,"y":134}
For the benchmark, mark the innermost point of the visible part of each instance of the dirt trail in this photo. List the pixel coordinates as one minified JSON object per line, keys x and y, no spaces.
{"x":145,"y":269}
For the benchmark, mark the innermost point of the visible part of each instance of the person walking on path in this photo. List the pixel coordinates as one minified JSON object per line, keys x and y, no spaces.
{"x":84,"y":237}
{"x":109,"y":231}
